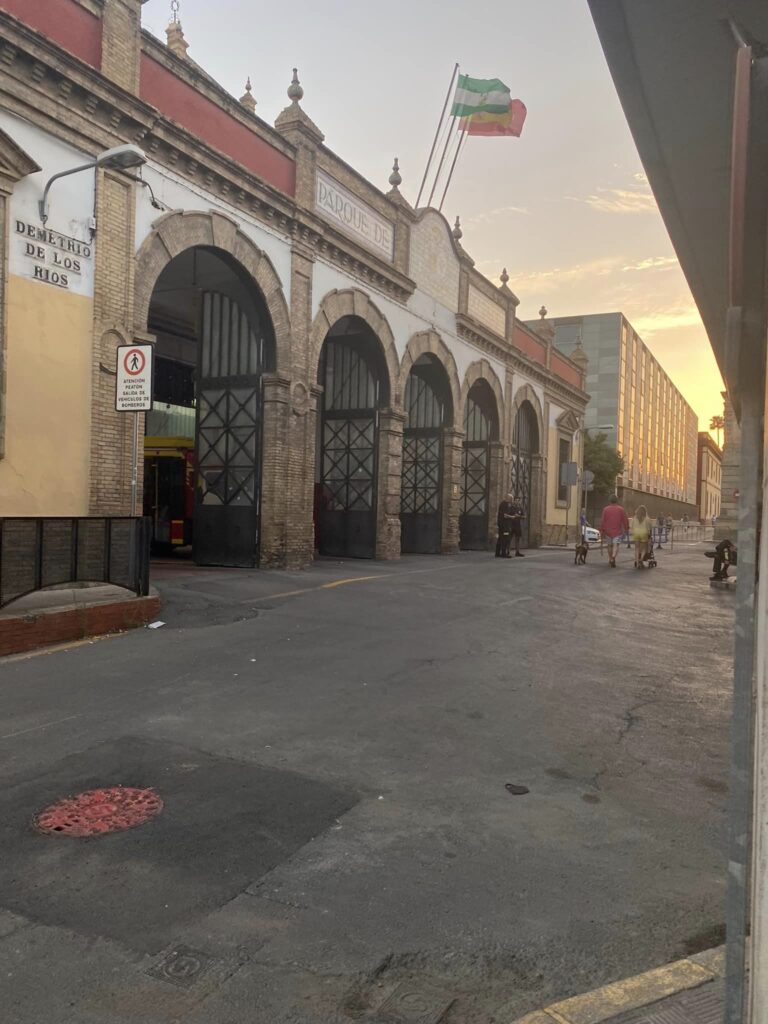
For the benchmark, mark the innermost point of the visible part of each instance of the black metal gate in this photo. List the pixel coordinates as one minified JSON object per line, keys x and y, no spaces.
{"x":229,"y":417}
{"x":422,"y":473}
{"x":347,"y":502}
{"x":479,"y":428}
{"x":525,"y":444}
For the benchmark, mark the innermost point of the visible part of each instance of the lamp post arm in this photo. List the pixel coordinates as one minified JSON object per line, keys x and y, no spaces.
{"x":62,"y":174}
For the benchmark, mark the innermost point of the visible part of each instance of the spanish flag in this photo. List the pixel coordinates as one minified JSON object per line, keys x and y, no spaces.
{"x":509,"y":123}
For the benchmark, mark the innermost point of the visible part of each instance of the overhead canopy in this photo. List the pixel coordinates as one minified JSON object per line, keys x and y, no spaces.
{"x":672,"y":62}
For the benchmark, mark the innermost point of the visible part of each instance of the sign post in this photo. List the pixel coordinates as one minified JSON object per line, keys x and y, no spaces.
{"x":133,"y":393}
{"x":569,"y":475}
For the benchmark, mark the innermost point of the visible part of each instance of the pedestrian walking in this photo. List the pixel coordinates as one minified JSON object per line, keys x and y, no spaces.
{"x":685,"y":522}
{"x":660,"y":520}
{"x":669,"y":524}
{"x":613,"y":525}
{"x":641,"y":533}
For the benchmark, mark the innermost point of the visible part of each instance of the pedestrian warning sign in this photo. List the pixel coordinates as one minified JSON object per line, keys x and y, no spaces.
{"x":134,"y":378}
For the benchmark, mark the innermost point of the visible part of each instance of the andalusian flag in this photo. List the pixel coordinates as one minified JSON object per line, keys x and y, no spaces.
{"x":509,"y":123}
{"x":480,"y":96}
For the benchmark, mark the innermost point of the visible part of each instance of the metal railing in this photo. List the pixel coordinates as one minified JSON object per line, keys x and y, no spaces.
{"x":48,"y":551}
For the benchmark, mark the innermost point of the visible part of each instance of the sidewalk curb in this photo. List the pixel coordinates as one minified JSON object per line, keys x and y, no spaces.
{"x":603,"y":1004}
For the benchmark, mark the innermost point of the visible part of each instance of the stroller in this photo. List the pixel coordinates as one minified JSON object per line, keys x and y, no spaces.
{"x":649,"y":558}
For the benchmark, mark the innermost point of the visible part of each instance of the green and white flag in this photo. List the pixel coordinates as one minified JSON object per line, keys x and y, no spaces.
{"x":480,"y":96}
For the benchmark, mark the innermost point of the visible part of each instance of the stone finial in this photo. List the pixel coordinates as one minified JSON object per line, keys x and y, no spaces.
{"x":457,"y":233}
{"x":395,"y":178}
{"x":177,"y":44}
{"x":293,"y":123}
{"x":504,"y":277}
{"x":543,"y":312}
{"x":295,"y":91}
{"x":579,"y":356}
{"x":247,"y":99}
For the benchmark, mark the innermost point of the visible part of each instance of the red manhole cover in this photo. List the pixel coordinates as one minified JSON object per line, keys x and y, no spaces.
{"x":99,"y":811}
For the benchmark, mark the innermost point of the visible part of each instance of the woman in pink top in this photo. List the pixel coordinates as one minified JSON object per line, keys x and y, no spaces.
{"x":613,"y":525}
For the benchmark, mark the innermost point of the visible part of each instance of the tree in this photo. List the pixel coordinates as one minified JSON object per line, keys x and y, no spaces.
{"x":604,"y":461}
{"x":717,"y":423}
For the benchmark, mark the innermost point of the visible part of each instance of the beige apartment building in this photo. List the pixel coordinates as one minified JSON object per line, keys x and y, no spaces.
{"x":650,"y":422}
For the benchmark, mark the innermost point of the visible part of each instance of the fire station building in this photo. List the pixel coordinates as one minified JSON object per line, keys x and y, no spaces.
{"x":331,"y":372}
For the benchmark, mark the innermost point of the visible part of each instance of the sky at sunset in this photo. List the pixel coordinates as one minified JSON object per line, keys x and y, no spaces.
{"x":566,"y":208}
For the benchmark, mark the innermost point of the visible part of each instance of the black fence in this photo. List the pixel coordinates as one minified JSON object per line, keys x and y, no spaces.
{"x":42,"y":552}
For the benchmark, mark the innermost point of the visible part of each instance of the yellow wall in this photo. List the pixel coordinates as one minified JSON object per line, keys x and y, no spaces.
{"x":555,"y":514}
{"x":48,"y":397}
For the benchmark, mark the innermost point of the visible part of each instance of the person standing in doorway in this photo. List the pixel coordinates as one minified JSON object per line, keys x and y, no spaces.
{"x":518,"y":513}
{"x":504,"y":523}
{"x":613,"y":525}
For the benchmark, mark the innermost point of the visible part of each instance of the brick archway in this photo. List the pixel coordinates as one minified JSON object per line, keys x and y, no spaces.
{"x":180,"y":230}
{"x":482,"y":370}
{"x":353,"y":302}
{"x":525,"y":393}
{"x":538,"y":462}
{"x":430,"y":343}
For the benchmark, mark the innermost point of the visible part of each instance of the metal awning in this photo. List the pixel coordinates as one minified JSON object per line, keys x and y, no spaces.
{"x":673,"y":67}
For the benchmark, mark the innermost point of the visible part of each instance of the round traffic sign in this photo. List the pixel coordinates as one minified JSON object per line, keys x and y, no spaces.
{"x":589,"y":477}
{"x":134,"y":361}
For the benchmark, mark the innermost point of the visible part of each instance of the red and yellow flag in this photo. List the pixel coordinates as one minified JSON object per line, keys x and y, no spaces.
{"x":509,"y":123}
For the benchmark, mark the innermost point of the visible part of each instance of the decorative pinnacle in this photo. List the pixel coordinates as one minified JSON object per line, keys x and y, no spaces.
{"x":174,"y":10}
{"x":247,"y":99}
{"x":395,"y":177}
{"x":295,"y":92}
{"x":543,"y":312}
{"x":504,"y":278}
{"x":457,"y":232}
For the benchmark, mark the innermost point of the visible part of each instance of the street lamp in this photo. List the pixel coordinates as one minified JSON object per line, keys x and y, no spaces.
{"x":119,"y":158}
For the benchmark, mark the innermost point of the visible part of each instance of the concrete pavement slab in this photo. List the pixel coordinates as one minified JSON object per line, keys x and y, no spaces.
{"x":223,"y":824}
{"x":433,"y":686}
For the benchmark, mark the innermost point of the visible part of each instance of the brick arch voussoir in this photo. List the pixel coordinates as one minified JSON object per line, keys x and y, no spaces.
{"x":430,"y":343}
{"x":353,"y":302}
{"x":179,"y":230}
{"x":481,"y":369}
{"x":525,"y":393}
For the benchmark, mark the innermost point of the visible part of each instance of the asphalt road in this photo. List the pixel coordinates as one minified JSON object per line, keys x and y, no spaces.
{"x":337,"y":840}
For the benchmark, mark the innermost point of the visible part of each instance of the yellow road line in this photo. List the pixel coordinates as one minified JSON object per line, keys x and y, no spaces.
{"x":355,"y":579}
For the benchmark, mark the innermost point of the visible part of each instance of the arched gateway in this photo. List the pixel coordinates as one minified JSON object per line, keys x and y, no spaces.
{"x":525,"y":447}
{"x":214,"y":341}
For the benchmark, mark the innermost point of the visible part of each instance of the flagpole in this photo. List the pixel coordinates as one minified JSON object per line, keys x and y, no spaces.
{"x":453,"y":165}
{"x":442,"y":160}
{"x":437,"y":133}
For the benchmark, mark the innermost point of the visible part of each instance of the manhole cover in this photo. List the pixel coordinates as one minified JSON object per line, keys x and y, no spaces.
{"x":182,"y":966}
{"x":99,"y":811}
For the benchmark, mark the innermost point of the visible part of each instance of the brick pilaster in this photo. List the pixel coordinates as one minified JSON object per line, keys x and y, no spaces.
{"x":121,"y":42}
{"x":453,"y":448}
{"x":389,"y":484}
{"x":111,"y":450}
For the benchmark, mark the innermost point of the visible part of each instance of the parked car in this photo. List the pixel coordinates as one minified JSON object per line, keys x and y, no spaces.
{"x":591,"y":534}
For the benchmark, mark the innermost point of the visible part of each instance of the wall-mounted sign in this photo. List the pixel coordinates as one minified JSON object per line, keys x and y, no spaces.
{"x":134,"y":378}
{"x":51,"y":257}
{"x":353,"y":216}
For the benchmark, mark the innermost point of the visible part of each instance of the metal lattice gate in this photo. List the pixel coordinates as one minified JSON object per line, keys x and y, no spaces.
{"x":422,"y":473}
{"x":229,"y":415}
{"x":475,"y":474}
{"x":347,"y":500}
{"x":525,"y":444}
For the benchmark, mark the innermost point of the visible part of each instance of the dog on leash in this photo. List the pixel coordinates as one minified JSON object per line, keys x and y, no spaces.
{"x":582,"y":550}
